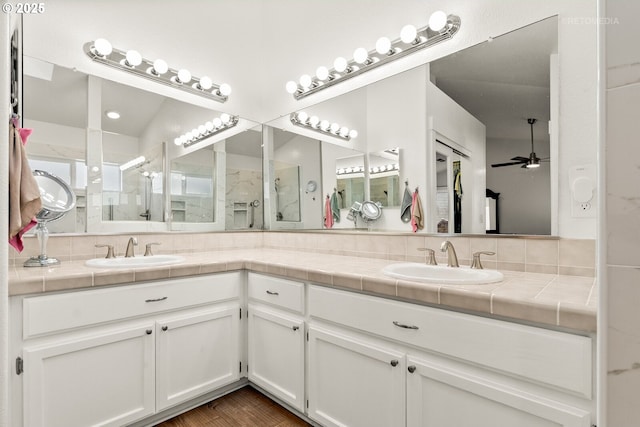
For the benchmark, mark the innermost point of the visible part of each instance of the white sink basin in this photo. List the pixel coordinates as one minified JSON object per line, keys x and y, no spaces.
{"x":135,"y":262}
{"x":441,"y":274}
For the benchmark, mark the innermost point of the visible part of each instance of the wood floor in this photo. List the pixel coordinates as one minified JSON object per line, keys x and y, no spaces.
{"x":244,"y":407}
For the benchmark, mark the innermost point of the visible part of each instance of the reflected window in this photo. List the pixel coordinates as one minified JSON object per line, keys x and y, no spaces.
{"x":198,"y":185}
{"x":111,"y":177}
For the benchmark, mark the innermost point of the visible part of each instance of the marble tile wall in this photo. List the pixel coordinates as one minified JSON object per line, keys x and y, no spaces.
{"x":243,"y":187}
{"x":622,"y":174}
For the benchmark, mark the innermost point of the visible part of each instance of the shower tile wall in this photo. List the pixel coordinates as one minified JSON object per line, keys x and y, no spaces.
{"x":289,"y":193}
{"x":242,"y":187}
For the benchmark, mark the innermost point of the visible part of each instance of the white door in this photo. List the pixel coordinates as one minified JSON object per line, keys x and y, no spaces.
{"x":438,"y":396}
{"x":196,"y":353}
{"x":107,"y":379}
{"x":354,"y":381}
{"x":276,"y":354}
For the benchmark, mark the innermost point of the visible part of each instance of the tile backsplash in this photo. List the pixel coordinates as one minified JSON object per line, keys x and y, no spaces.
{"x":574,"y":257}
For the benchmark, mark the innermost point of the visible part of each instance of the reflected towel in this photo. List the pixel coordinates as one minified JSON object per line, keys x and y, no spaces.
{"x":328,"y":215}
{"x":405,"y":207}
{"x":335,"y":207}
{"x":24,"y":192}
{"x":417,"y":216}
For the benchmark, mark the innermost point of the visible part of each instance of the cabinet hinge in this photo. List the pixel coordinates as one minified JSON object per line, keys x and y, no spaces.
{"x":19,"y":365}
{"x":240,"y":366}
{"x":240,"y":312}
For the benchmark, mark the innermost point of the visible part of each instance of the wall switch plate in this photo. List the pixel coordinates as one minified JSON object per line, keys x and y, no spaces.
{"x":582,"y":188}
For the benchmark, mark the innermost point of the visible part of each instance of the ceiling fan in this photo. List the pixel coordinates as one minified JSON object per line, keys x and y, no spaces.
{"x":530,"y":162}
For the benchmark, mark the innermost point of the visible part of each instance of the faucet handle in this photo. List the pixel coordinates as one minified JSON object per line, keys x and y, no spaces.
{"x":110,"y":253}
{"x":476,"y":259}
{"x":147,"y":249}
{"x":430,"y":257}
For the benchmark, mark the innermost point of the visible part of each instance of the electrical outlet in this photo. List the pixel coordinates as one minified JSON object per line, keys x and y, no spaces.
{"x":585,"y":206}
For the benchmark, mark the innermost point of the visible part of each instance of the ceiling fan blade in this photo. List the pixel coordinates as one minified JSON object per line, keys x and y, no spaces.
{"x":520,"y":158}
{"x":498,"y":165}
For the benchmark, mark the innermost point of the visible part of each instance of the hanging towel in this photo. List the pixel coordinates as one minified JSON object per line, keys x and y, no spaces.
{"x":457,"y":186}
{"x":328,"y":215}
{"x":405,"y":208}
{"x":335,"y":207}
{"x":417,"y":217}
{"x":24,"y":192}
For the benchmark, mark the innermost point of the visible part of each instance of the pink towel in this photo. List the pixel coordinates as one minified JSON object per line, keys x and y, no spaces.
{"x":417,"y":216}
{"x":328,"y":214}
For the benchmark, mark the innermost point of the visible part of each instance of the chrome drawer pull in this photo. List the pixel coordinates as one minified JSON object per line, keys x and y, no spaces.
{"x":156,"y":299}
{"x":402,"y":325}
{"x":272,"y":293}
{"x":295,"y":328}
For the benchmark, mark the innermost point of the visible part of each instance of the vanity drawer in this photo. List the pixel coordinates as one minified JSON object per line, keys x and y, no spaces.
{"x":54,"y":313}
{"x":281,"y":293}
{"x":555,"y":358}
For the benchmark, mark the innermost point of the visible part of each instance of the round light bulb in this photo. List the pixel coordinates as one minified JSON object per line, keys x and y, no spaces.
{"x":291,"y":87}
{"x":302,"y":117}
{"x":334,"y":127}
{"x":102,"y":47}
{"x":195,"y":132}
{"x":408,"y":34}
{"x":344,"y":131}
{"x":183,"y":139}
{"x":205,"y":83}
{"x":383,"y":46}
{"x":353,"y":133}
{"x":225,"y":89}
{"x":324,"y":125}
{"x":177,"y":141}
{"x":305,"y":81}
{"x":184,"y":76}
{"x":225,"y":118}
{"x":189,"y":135}
{"x":314,"y":120}
{"x":437,"y":20}
{"x":322,"y":73}
{"x":145,"y":173}
{"x":340,"y":64}
{"x":217,"y":122}
{"x":360,"y":55}
{"x":202,"y":129}
{"x":133,"y":58}
{"x":209,"y":126}
{"x":160,"y":66}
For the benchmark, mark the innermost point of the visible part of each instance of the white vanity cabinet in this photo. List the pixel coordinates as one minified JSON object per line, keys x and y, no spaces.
{"x":115,"y":355}
{"x":454,"y":369}
{"x":276,"y":337}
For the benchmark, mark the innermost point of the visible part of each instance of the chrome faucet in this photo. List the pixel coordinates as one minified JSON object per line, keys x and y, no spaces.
{"x":129,"y":252}
{"x":452,"y":258}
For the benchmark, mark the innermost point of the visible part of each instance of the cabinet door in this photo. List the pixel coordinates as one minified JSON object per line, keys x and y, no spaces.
{"x":439,"y":396}
{"x":276,"y":354}
{"x":354,"y":381}
{"x":196,"y":353}
{"x":102,"y":380}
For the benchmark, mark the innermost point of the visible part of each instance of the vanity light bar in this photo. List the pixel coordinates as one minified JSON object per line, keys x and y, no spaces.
{"x":210,"y":128}
{"x":372,"y":170}
{"x":302,"y":119}
{"x":131,"y":61}
{"x":133,"y":162}
{"x":441,"y":28}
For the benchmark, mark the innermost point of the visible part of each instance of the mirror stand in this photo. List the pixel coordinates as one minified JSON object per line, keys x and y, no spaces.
{"x":42,"y":260}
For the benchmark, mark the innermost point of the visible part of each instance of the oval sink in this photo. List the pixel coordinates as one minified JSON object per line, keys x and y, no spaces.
{"x":135,"y":262}
{"x":441,"y":274}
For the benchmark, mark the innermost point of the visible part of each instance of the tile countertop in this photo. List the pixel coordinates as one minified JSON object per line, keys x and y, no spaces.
{"x":545,"y":299}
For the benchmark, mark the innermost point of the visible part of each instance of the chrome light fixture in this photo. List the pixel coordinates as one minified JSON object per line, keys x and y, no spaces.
{"x":159,"y":71}
{"x":441,"y":28}
{"x":204,"y":131}
{"x":302,"y":119}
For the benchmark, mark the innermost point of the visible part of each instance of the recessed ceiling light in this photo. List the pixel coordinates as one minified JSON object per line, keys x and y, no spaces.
{"x":114,"y":115}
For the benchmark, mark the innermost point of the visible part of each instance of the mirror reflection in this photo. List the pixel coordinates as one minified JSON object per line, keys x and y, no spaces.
{"x":192,"y":183}
{"x":384,"y":177}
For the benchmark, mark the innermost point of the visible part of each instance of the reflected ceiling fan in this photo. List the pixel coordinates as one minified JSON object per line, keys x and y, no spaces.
{"x":530,"y":162}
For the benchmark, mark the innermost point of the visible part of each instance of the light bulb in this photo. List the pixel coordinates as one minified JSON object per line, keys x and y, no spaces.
{"x":224,"y":90}
{"x":314,"y":120}
{"x":189,"y":135}
{"x":195,"y":132}
{"x":305,"y":81}
{"x":202,"y":129}
{"x":183,"y":139}
{"x":113,"y":115}
{"x":360,"y":55}
{"x":322,"y":73}
{"x":353,"y":133}
{"x":133,"y":58}
{"x":324,"y":125}
{"x":102,"y":47}
{"x":145,"y":173}
{"x":334,"y":127}
{"x":302,"y":117}
{"x":344,"y":131}
{"x":291,"y":87}
{"x":160,"y":67}
{"x":340,"y":64}
{"x":205,"y":83}
{"x":383,"y":46}
{"x":217,"y":122}
{"x":177,"y":141}
{"x":408,"y":34}
{"x":225,"y":118}
{"x":437,"y":20}
{"x":184,"y":76}
{"x":208,"y":126}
